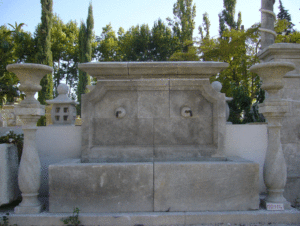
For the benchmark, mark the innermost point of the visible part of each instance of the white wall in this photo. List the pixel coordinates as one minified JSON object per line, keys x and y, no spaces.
{"x":57,"y":143}
{"x":249,"y":142}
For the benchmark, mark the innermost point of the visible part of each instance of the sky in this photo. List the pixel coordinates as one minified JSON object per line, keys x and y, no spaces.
{"x":127,"y":13}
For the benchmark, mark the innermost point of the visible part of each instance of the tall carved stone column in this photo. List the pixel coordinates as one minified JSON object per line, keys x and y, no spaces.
{"x":275,"y":172}
{"x":30,"y":111}
{"x":268,"y":17}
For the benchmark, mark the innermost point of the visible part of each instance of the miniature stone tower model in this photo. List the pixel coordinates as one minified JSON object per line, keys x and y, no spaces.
{"x":63,"y":110}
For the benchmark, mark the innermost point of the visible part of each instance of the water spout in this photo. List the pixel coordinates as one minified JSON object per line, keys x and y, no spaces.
{"x":189,"y":111}
{"x":118,"y":113}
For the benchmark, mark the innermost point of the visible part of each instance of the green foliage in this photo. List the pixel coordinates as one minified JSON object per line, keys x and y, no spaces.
{"x":16,"y":139}
{"x":285,"y":37}
{"x":5,"y":221}
{"x":139,"y":43}
{"x":108,"y":48}
{"x":184,"y":22}
{"x":44,"y":53}
{"x":15,"y":46}
{"x":226,"y":18}
{"x":190,"y":55}
{"x":237,"y":47}
{"x":284,"y":15}
{"x":64,"y":39}
{"x":134,"y":44}
{"x":163,"y":43}
{"x":72,"y":220}
{"x":85,"y":54}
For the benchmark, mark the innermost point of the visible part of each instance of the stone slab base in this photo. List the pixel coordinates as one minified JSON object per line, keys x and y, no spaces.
{"x":259,"y":217}
{"x":28,"y":209}
{"x":175,"y":186}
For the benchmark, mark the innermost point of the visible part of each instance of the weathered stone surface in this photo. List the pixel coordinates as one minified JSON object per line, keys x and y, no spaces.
{"x":8,"y":173}
{"x":152,"y":97}
{"x":153,"y":104}
{"x":29,"y":111}
{"x":247,"y":218}
{"x":103,"y":187}
{"x":206,"y":186}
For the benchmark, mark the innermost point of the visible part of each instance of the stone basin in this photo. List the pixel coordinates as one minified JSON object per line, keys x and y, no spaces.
{"x":202,"y":184}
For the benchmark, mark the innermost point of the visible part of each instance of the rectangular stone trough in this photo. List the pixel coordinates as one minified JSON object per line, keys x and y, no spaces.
{"x":203,"y":184}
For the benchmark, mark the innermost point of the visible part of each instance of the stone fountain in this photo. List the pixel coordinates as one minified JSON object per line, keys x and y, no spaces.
{"x":152,"y":141}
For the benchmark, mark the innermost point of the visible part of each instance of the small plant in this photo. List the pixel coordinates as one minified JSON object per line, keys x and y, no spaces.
{"x":4,"y":221}
{"x":11,"y":138}
{"x":297,"y":203}
{"x":72,"y":220}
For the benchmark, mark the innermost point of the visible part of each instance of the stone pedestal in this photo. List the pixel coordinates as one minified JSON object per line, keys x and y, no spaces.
{"x":275,"y":172}
{"x":290,"y":139}
{"x":29,"y":111}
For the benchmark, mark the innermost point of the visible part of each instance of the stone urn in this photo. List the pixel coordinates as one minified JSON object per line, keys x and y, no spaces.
{"x":29,"y":111}
{"x":273,"y":109}
{"x":30,"y":76}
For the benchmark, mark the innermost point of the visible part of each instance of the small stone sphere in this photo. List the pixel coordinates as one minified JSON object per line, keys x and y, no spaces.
{"x":62,"y":89}
{"x":216,"y":85}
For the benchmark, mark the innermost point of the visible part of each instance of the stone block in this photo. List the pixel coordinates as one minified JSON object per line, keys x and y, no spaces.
{"x":120,"y":153}
{"x":102,"y":187}
{"x":153,"y":104}
{"x":183,"y":131}
{"x":189,"y":98}
{"x":9,"y":165}
{"x":106,"y":107}
{"x":292,"y":158}
{"x":206,"y":186}
{"x":124,"y":131}
{"x":290,"y":130}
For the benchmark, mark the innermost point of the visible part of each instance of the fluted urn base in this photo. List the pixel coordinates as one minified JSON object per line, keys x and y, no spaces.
{"x":28,"y":209}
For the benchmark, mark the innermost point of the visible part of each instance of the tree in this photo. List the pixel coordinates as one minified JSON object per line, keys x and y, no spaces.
{"x":64,"y":39}
{"x":183,"y":24}
{"x":108,"y":45}
{"x":44,"y":54}
{"x":237,"y":47}
{"x":134,"y":44}
{"x":284,"y":15}
{"x":163,"y":43}
{"x":16,"y":46}
{"x":85,"y":53}
{"x":226,"y":17}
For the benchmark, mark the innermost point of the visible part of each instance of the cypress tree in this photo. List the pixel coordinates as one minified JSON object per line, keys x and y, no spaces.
{"x":85,"y":53}
{"x":44,"y":54}
{"x":284,"y":15}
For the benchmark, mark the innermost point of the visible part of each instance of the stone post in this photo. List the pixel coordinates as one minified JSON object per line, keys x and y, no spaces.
{"x":29,"y":111}
{"x":275,"y":172}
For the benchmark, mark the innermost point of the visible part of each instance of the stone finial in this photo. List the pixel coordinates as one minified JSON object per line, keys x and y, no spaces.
{"x":217,"y":86}
{"x":63,"y":110}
